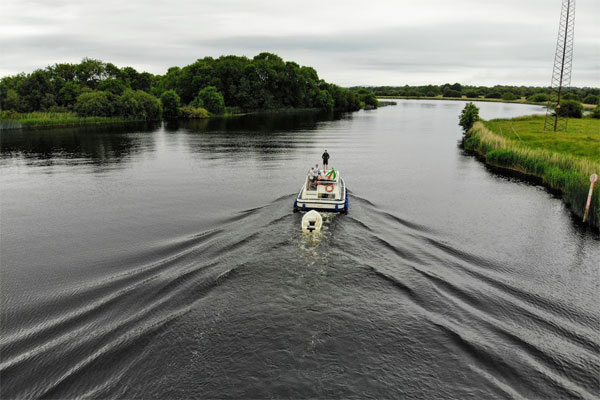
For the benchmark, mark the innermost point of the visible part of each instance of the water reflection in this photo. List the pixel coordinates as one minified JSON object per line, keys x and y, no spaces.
{"x":97,"y":145}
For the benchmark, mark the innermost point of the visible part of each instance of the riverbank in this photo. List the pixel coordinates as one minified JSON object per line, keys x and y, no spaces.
{"x":522,"y":100}
{"x":11,"y":120}
{"x":35,"y":120}
{"x":561,"y":161}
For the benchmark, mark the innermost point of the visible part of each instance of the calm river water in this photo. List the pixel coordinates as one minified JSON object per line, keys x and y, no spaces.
{"x":166,"y":262}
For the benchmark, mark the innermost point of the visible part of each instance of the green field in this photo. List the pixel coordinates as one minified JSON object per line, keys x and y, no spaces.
{"x":582,"y":138}
{"x":563,"y":161}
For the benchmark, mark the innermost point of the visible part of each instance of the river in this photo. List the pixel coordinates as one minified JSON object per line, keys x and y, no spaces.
{"x":165,"y":262}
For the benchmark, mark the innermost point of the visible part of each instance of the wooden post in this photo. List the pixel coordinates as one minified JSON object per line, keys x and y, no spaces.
{"x":593,"y":179}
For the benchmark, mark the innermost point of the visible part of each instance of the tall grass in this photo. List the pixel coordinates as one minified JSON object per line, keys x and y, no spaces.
{"x":41,"y":119}
{"x":560,"y":171}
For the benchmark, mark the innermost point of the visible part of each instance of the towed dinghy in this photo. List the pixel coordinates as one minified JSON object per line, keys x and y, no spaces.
{"x":327,"y":194}
{"x":312,"y":222}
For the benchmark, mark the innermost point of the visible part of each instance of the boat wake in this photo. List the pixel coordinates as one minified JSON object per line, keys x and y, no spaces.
{"x":236,"y":303}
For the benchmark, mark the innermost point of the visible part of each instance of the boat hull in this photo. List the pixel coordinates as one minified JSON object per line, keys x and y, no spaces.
{"x":328,"y":205}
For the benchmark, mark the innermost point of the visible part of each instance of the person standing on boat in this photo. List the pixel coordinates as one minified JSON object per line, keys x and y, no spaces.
{"x":325,"y":157}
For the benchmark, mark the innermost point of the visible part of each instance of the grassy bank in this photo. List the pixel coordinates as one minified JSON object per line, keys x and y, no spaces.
{"x":562,"y":161}
{"x":12,"y":120}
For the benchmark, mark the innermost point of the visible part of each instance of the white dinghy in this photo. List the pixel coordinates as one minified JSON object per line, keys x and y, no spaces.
{"x":312,"y":222}
{"x":327,"y":194}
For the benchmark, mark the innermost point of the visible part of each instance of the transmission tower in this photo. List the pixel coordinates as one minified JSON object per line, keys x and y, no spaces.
{"x":561,"y":73}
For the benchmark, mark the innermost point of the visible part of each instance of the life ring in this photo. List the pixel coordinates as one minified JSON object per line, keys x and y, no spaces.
{"x":329,"y":188}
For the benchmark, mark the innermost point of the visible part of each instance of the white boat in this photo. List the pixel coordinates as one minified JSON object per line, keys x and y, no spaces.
{"x":312,"y":222}
{"x":328,"y":194}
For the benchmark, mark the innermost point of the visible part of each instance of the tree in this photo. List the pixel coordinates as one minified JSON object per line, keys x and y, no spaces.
{"x":468,"y":116}
{"x":570,"y":109}
{"x":94,"y":104}
{"x":509,"y":96}
{"x":211,"y":99}
{"x":451,"y":93}
{"x":596,"y":112}
{"x":591,"y":99}
{"x":170,"y":104}
{"x":12,"y":101}
{"x":538,"y":98}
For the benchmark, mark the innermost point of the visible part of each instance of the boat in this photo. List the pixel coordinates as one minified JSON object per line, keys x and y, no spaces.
{"x":312,"y":222}
{"x":327,"y":194}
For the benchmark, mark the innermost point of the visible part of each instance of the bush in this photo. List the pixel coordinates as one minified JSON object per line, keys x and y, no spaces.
{"x":210,"y":99}
{"x":94,"y":104}
{"x":591,"y":99}
{"x":571,"y":96}
{"x":596,"y":112}
{"x":138,"y":105}
{"x":509,"y":96}
{"x":468,"y":116}
{"x":538,"y":98}
{"x":472,"y":94}
{"x":570,"y":109}
{"x":451,"y":93}
{"x":191,"y":112}
{"x":493,"y":95}
{"x":170,"y":104}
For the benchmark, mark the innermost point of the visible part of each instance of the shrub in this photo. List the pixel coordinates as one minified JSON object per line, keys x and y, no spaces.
{"x":493,"y":95}
{"x":170,"y":104}
{"x":509,"y":96}
{"x":591,"y":99}
{"x":596,"y":112}
{"x":472,"y":94}
{"x":94,"y":104}
{"x":468,"y":116}
{"x":571,"y":96}
{"x":538,"y":98}
{"x":570,"y":109}
{"x":138,"y":105}
{"x":194,"y":112}
{"x":451,"y":93}
{"x":210,"y":99}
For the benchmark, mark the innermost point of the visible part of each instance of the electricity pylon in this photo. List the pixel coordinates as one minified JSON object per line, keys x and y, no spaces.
{"x":561,"y":73}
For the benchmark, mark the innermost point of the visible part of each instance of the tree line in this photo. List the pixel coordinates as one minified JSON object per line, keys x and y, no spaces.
{"x":531,"y":93}
{"x":208,"y":86}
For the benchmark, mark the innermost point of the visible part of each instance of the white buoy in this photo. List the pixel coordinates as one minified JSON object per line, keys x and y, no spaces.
{"x":312,"y":222}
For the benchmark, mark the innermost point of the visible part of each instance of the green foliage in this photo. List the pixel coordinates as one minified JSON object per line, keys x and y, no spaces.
{"x":138,"y":105}
{"x":12,"y":100}
{"x":596,"y":112}
{"x":264,"y":82}
{"x":493,"y":95}
{"x":191,"y":112}
{"x":210,"y":99}
{"x":451,"y":93}
{"x":571,"y":96}
{"x":591,"y":99}
{"x":170,"y":104}
{"x":468,"y":116}
{"x":509,"y":96}
{"x":538,"y":98}
{"x":67,"y":95}
{"x":367,"y":97}
{"x":472,"y":94}
{"x":569,"y":109}
{"x":113,"y":85}
{"x":94,"y":104}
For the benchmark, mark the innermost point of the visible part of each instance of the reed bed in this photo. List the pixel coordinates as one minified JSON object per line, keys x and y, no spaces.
{"x":41,"y":119}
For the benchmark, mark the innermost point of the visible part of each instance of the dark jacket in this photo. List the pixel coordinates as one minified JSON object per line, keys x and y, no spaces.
{"x":325,"y":157}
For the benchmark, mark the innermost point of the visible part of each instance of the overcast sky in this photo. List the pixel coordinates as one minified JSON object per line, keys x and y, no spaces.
{"x":367,"y":42}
